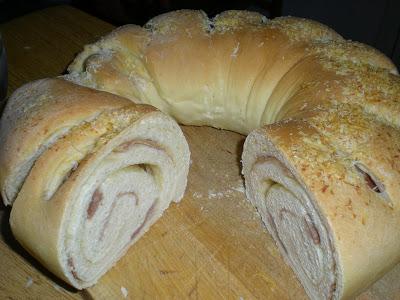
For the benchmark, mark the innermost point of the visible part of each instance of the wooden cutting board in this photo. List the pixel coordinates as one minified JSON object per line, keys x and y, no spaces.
{"x":212,"y":245}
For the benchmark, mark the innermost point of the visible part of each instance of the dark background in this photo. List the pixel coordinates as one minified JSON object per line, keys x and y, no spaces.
{"x":374,"y":22}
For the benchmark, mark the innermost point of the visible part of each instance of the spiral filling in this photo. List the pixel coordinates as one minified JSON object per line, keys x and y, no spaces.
{"x":294,"y":223}
{"x":122,"y":201}
{"x":122,"y":193}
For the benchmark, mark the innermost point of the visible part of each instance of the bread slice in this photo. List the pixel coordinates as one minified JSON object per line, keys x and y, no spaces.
{"x":92,"y":172}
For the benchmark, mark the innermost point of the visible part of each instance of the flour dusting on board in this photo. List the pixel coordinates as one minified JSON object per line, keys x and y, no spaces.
{"x":218,"y":194}
{"x":227,"y":193}
{"x":197,"y":195}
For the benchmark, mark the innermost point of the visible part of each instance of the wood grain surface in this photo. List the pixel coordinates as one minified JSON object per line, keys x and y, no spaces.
{"x":212,"y":245}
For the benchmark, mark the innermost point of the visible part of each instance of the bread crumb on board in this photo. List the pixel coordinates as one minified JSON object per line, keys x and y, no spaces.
{"x":197,"y":195}
{"x":29,"y":282}
{"x":124,"y":291}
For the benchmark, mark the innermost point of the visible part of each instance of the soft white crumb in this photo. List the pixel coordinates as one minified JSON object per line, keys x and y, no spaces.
{"x":124,"y":291}
{"x":29,"y":282}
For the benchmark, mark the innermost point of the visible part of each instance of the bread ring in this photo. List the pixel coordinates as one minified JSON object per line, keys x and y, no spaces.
{"x":319,"y":177}
{"x":321,"y":162}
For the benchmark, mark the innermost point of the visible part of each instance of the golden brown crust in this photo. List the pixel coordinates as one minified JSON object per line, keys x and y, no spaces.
{"x":36,"y":115}
{"x":223,"y":71}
